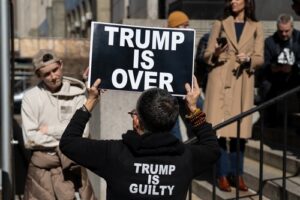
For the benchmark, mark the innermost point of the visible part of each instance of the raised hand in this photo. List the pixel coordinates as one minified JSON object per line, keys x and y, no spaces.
{"x":192,"y":95}
{"x":93,"y":95}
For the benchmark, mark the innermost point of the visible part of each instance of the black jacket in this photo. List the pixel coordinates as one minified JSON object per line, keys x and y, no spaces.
{"x":151,"y":166}
{"x":274,"y":46}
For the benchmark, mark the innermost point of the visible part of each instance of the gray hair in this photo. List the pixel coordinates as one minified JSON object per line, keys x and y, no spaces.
{"x":285,"y":18}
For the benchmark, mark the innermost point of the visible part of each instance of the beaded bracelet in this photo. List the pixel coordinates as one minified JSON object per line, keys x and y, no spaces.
{"x":197,"y":118}
{"x":193,"y":114}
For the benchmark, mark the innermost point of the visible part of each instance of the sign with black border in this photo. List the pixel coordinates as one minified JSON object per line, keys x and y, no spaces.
{"x":135,"y":58}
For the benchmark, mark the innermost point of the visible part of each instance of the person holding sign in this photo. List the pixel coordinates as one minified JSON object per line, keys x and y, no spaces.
{"x":235,"y":49}
{"x":149,"y":162}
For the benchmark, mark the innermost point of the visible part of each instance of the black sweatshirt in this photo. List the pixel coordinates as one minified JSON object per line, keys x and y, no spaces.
{"x":151,"y":166}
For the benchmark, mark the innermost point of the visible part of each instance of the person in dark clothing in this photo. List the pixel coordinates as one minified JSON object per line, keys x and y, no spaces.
{"x":282,"y":61}
{"x":296,"y":7}
{"x":149,"y":162}
{"x":202,"y":68}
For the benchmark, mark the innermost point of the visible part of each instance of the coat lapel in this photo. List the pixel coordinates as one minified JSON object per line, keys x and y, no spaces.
{"x":247,"y":33}
{"x":228,"y":25}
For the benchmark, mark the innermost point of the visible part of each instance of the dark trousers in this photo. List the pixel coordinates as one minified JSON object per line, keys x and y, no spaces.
{"x":227,"y":163}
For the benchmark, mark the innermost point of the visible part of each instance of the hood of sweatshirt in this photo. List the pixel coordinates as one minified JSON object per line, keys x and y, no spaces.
{"x":70,"y":87}
{"x":162,"y":143}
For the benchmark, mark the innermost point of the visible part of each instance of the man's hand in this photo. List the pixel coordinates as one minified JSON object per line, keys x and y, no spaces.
{"x":93,"y":95}
{"x":275,"y":68}
{"x":192,"y":95}
{"x":43,"y":128}
{"x":286,"y":68}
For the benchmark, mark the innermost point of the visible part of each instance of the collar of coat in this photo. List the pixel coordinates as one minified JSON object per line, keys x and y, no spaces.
{"x":149,"y":144}
{"x":248,"y":31}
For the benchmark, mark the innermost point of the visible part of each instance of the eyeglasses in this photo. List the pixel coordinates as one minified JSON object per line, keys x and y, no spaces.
{"x":133,"y":112}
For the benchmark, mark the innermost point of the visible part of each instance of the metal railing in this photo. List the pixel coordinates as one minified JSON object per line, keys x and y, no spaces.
{"x":238,"y":118}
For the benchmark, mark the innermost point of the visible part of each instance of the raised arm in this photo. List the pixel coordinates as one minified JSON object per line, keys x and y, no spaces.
{"x":192,"y":95}
{"x":83,"y":150}
{"x":93,"y":95}
{"x":207,"y":150}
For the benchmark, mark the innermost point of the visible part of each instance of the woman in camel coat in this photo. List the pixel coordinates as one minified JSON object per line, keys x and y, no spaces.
{"x":230,"y":87}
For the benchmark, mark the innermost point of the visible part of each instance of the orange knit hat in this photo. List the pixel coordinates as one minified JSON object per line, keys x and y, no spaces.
{"x":177,"y":18}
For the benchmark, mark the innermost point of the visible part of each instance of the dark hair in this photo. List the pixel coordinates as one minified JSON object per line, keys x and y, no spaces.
{"x":157,"y":110}
{"x":249,"y":10}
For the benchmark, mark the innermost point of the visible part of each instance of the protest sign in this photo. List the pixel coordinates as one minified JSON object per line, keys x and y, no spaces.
{"x":135,"y":58}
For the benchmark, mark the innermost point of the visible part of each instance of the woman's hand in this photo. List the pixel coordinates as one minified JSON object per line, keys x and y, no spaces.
{"x":243,"y":58}
{"x":93,"y":95}
{"x":220,"y":49}
{"x":192,"y":95}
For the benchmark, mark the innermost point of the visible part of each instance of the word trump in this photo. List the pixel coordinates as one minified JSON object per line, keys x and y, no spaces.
{"x":153,"y":39}
{"x":143,"y":168}
{"x":153,"y":186}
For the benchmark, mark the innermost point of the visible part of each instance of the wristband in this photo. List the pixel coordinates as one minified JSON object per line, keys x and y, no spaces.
{"x":84,"y":109}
